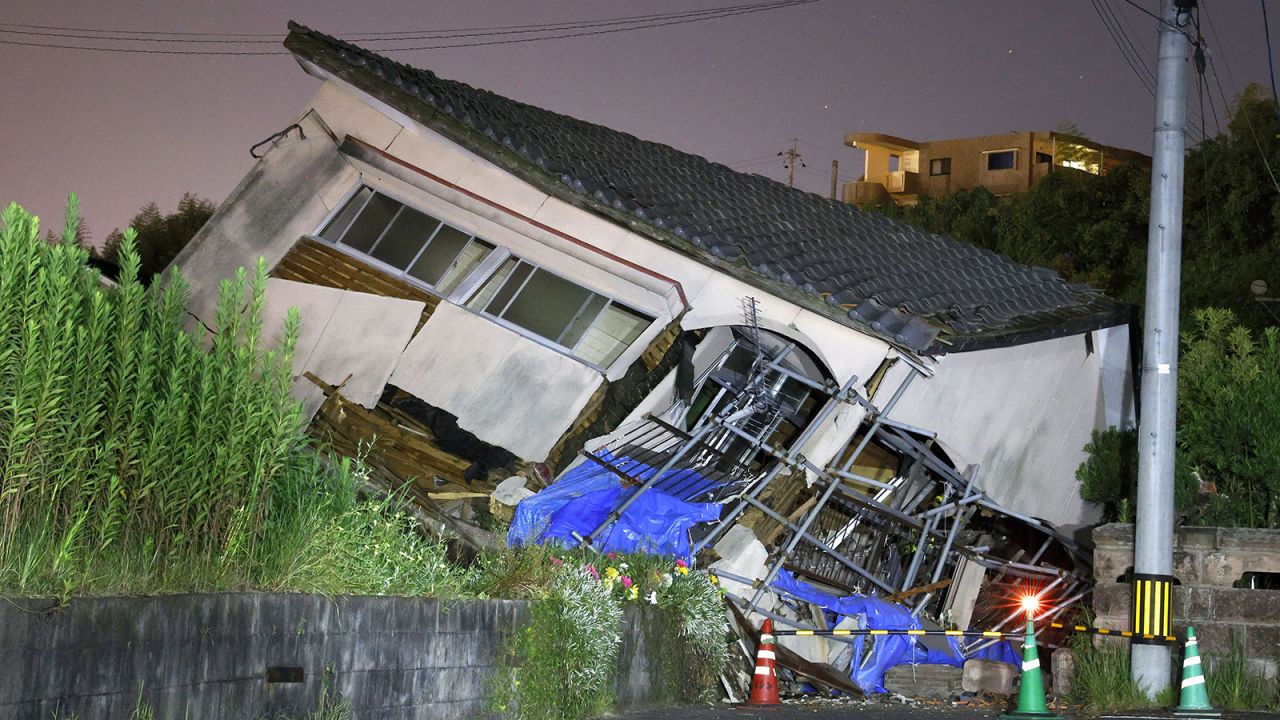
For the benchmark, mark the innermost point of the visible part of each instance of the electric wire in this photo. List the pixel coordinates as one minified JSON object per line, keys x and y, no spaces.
{"x":1253,"y":133}
{"x":1126,"y":36}
{"x":1271,"y":66}
{"x":1150,"y":14}
{"x":390,"y":36}
{"x":1148,"y":84}
{"x":369,"y":34}
{"x":746,"y":10}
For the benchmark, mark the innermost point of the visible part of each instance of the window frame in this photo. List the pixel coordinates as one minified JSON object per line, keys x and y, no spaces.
{"x":478,"y":276}
{"x":571,"y":351}
{"x":986,"y":157}
{"x":944,"y":162}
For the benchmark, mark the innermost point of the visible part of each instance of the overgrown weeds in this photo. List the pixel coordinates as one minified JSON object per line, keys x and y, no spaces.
{"x":139,"y":457}
{"x":1102,"y":679}
{"x":1233,"y":685}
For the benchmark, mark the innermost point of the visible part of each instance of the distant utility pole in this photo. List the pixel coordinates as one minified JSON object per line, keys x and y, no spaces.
{"x":792,"y":156}
{"x":835,"y":173}
{"x":1153,"y":532}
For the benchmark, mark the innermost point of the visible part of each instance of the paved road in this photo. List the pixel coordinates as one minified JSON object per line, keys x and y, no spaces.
{"x":875,"y":710}
{"x":819,"y":710}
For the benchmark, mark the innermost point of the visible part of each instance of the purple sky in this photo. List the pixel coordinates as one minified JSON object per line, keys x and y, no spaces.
{"x":124,"y":129}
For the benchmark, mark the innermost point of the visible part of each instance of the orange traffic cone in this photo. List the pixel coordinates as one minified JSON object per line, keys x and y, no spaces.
{"x":764,"y":684}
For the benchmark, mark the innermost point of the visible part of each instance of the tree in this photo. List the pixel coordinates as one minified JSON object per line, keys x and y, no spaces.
{"x":1227,"y":470}
{"x":1093,"y":229}
{"x":160,"y":237}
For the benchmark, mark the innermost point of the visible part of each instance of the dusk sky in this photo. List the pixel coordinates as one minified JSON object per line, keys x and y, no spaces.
{"x":121,"y":129}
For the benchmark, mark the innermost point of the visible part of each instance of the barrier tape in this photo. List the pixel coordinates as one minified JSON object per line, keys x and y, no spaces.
{"x":1116,"y":633}
{"x":977,"y":633}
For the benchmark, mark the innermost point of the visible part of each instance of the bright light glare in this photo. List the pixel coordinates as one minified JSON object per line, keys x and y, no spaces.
{"x":1030,"y":603}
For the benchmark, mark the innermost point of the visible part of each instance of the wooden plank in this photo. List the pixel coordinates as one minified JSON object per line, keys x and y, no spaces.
{"x":821,"y":672}
{"x":918,"y":590}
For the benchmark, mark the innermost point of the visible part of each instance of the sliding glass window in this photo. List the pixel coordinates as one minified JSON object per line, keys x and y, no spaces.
{"x":410,"y":241}
{"x":420,"y":248}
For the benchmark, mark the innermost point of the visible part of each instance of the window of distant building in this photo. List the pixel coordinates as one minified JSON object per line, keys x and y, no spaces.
{"x":1001,"y":159}
{"x":895,"y":163}
{"x":940,"y":166}
{"x":1042,"y":158}
{"x":484,"y":277}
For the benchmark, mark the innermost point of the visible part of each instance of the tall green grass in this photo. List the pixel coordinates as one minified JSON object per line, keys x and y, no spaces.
{"x":1102,"y":680}
{"x":139,"y":457}
{"x":1233,"y":685}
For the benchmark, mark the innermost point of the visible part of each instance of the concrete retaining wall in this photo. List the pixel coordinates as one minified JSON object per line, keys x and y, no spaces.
{"x":210,"y":656}
{"x":1207,"y":563}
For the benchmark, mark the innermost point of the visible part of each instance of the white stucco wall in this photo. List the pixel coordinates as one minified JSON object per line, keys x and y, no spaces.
{"x":345,"y":337}
{"x":508,"y":391}
{"x":279,"y":200}
{"x":1024,"y":414}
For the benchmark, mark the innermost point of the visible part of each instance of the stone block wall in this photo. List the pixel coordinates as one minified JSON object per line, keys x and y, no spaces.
{"x":1207,"y":563}
{"x":214,"y":656}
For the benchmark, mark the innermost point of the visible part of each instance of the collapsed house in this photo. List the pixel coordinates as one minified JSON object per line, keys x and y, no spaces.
{"x":488,"y":287}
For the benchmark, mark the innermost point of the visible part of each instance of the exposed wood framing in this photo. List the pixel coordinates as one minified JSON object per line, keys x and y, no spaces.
{"x":315,"y":263}
{"x":613,"y":401}
{"x":393,"y":441}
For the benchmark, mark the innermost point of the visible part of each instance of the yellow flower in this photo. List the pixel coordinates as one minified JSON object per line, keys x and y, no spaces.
{"x":611,"y":573}
{"x":682,"y":569}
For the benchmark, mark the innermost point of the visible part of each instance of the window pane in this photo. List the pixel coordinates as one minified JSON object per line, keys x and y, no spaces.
{"x":1001,"y":160}
{"x":615,"y":329}
{"x":579,"y":326}
{"x":333,"y":231}
{"x":372,"y":221}
{"x":486,"y":291}
{"x":406,"y":236}
{"x":547,"y":304}
{"x":472,"y":255}
{"x":444,"y":247}
{"x":514,"y":279}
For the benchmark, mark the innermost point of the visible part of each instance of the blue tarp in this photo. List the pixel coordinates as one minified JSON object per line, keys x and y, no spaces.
{"x":657,"y":523}
{"x":889,"y":650}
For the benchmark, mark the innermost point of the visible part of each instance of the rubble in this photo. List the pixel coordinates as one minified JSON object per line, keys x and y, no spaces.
{"x":889,"y":534}
{"x":985,"y":676}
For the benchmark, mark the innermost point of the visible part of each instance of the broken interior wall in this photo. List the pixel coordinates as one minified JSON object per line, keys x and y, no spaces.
{"x":509,"y":391}
{"x":1024,"y":415}
{"x":346,"y":338}
{"x":614,"y":400}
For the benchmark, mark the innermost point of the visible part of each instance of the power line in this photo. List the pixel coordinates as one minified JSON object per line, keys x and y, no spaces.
{"x":1146,"y":83}
{"x":1271,"y":66}
{"x":743,"y":10}
{"x":388,"y":36}
{"x":1162,"y":21}
{"x":368,"y":34}
{"x":1125,"y":32}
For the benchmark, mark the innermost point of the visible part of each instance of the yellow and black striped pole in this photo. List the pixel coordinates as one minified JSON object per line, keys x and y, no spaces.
{"x":1152,"y":607}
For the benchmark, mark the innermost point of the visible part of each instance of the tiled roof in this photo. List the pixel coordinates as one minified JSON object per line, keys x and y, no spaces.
{"x":928,"y":293}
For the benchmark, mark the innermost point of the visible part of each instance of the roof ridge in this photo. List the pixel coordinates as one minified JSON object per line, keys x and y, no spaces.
{"x":759,"y":229}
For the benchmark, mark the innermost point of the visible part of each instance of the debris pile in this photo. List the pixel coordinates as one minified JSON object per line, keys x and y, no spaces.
{"x":889,"y":534}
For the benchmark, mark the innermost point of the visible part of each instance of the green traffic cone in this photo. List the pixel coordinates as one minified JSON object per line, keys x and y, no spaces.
{"x":1031,"y":692}
{"x":1194,"y":700}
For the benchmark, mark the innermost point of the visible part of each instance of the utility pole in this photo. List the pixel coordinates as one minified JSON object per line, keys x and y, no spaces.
{"x":1153,"y":531}
{"x":792,"y":156}
{"x":835,"y":173}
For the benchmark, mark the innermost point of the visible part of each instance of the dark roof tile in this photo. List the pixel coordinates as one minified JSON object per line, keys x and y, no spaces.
{"x":926,"y":292}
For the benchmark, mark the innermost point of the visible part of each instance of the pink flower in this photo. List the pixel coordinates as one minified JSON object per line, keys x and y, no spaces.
{"x":612,"y":556}
{"x":556,"y":561}
{"x":626,"y":581}
{"x":592,"y":569}
{"x":681,"y":563}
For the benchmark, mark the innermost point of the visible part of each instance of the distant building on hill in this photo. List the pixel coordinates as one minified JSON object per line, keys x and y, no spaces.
{"x":902,"y":170}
